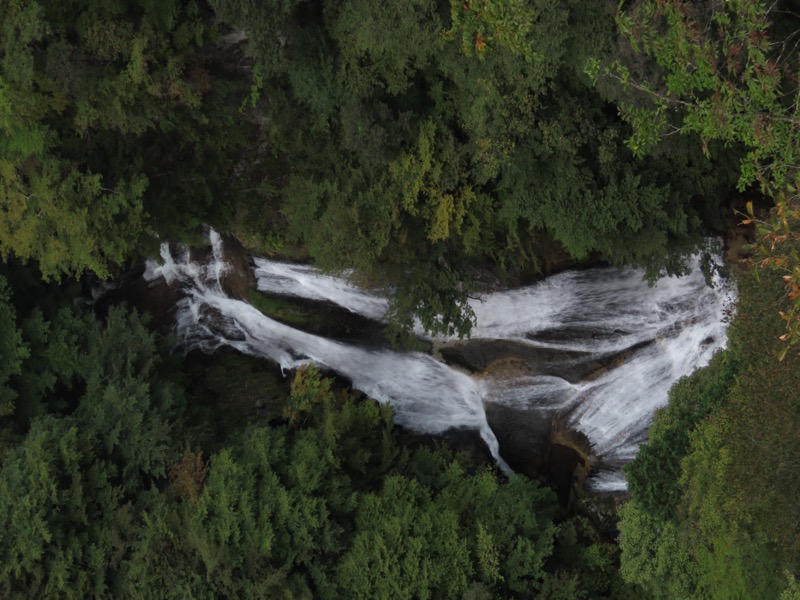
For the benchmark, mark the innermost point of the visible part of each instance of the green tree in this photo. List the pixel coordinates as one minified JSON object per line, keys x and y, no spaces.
{"x":723,"y":72}
{"x":332,"y":506}
{"x":406,"y":546}
{"x":129,"y":400}
{"x":60,"y":513}
{"x":717,"y":525}
{"x":654,"y":474}
{"x":98,"y":417}
{"x":12,"y":350}
{"x":97,"y":104}
{"x":414,"y":161}
{"x":49,"y":328}
{"x":656,"y":555}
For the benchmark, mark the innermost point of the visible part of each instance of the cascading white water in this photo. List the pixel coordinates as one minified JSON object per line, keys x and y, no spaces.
{"x":427,"y":396}
{"x":660,"y":333}
{"x":307,"y":282}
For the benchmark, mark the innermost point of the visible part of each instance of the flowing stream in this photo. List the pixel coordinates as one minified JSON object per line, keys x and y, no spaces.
{"x":648,"y":336}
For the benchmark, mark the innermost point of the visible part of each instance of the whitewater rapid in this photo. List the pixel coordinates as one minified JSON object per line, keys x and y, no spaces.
{"x":427,"y":396}
{"x":660,"y":333}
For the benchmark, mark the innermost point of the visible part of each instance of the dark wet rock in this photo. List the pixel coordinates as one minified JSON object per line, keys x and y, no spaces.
{"x":565,"y":466}
{"x":570,"y":460}
{"x":156,"y":299}
{"x":479,"y":355}
{"x":327,"y":320}
{"x":542,"y":447}
{"x":236,"y":387}
{"x":491,"y":356}
{"x":238,"y":278}
{"x":524,"y":438}
{"x":574,"y":334}
{"x":221,"y":324}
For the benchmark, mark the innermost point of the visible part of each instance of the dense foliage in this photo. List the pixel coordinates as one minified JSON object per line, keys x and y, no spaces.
{"x":93,"y":422}
{"x":714,"y":490}
{"x":105,"y":490}
{"x":417,"y":142}
{"x":727,"y":72}
{"x":653,"y":477}
{"x":117,"y":122}
{"x":423,"y":139}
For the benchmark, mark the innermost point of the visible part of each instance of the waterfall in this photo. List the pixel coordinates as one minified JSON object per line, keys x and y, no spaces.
{"x":307,"y":282}
{"x":427,"y":396}
{"x":651,"y":337}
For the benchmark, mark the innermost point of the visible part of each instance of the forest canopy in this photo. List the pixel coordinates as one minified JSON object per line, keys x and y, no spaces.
{"x":113,"y":484}
{"x":412,"y":142}
{"x":421,"y":144}
{"x":461,"y":135}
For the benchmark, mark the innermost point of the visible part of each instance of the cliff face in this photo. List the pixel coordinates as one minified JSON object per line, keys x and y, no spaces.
{"x":157,"y":299}
{"x":238,"y":279}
